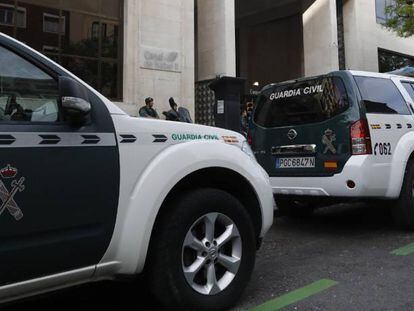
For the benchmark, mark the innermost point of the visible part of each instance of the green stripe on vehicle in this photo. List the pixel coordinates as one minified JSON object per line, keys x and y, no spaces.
{"x":404,"y":251}
{"x":296,"y":295}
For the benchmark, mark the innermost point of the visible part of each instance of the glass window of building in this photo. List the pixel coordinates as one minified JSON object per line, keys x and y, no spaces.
{"x":390,"y":61}
{"x":83,"y":36}
{"x":380,"y":9}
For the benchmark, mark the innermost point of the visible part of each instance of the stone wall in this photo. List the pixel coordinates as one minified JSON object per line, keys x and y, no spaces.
{"x":320,"y":38}
{"x":363,"y":37}
{"x":216,"y":39}
{"x":158,"y":53}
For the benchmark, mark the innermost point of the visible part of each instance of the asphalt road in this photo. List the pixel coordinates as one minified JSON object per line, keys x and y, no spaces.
{"x":351,"y":245}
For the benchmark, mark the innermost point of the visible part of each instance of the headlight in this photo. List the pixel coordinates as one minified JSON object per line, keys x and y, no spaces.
{"x":248,"y":150}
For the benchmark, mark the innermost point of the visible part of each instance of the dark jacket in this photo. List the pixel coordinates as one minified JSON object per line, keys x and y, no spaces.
{"x":146,"y":112}
{"x":184,"y":115}
{"x":172,"y":115}
{"x":180,"y":115}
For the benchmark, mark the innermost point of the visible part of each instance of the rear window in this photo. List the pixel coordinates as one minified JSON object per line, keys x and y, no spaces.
{"x":381,"y":96}
{"x":305,"y":102}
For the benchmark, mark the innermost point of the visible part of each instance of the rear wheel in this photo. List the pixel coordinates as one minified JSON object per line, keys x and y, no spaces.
{"x":203,"y":253}
{"x":294,"y":208}
{"x":403,"y":211}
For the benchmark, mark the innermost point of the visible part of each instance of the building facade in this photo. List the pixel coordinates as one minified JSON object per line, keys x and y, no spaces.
{"x":133,"y":49}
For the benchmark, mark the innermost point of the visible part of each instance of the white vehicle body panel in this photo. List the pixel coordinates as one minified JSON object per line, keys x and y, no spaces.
{"x":150,"y":170}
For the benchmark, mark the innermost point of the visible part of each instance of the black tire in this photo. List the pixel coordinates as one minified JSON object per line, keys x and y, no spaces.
{"x":403,"y":210}
{"x":294,"y":208}
{"x":166,"y":273}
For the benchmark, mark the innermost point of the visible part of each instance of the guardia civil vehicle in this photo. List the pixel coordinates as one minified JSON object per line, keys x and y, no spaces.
{"x":342,"y":136}
{"x":88,"y":193}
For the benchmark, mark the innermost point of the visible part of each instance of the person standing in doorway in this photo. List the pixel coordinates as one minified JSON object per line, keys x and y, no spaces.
{"x":148,"y":111}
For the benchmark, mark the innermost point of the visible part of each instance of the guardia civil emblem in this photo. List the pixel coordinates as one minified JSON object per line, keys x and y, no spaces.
{"x":329,"y":139}
{"x":10,"y":180}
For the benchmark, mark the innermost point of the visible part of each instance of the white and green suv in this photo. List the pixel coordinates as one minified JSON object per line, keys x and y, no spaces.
{"x":342,"y":136}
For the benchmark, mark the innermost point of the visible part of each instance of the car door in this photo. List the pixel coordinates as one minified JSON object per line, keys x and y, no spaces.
{"x":59,"y":181}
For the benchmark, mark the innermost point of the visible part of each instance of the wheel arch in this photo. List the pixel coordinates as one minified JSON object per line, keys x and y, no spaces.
{"x":403,"y":155}
{"x":219,"y":178}
{"x":178,"y":166}
{"x":409,"y":161}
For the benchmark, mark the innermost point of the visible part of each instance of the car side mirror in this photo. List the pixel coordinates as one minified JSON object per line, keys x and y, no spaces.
{"x":76,"y":107}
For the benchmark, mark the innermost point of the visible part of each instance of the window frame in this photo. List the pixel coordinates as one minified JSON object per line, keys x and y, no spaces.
{"x":411,"y":83}
{"x":15,"y":9}
{"x":61,"y":23}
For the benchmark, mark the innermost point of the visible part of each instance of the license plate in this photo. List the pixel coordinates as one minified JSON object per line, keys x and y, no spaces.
{"x":303,"y":162}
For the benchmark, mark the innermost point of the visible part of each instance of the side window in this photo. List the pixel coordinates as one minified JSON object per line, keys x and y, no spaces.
{"x":27,"y":94}
{"x":305,"y":102}
{"x":410,"y":89}
{"x":381,"y":96}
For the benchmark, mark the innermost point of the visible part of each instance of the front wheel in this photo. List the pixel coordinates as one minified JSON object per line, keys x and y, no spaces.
{"x":203,"y":252}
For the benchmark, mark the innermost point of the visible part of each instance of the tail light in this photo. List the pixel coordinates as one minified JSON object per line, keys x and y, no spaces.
{"x":360,"y":138}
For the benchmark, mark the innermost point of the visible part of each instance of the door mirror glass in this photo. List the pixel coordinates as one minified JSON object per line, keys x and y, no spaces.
{"x":75,"y":106}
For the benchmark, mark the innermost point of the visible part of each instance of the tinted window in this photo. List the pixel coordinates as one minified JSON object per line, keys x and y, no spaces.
{"x":26,"y":92}
{"x":381,"y":96}
{"x":380,"y":8}
{"x":305,"y":102}
{"x":410,"y":89}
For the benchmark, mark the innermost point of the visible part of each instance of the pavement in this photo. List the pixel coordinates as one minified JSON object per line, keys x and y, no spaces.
{"x":346,"y":257}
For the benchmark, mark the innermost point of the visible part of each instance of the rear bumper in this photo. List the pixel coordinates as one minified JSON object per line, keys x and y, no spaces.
{"x":371,"y":180}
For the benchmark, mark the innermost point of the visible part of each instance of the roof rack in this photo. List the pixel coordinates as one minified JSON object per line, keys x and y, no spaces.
{"x":405,"y":71}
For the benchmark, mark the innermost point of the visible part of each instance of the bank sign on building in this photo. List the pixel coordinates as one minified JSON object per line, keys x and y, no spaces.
{"x":132,"y":49}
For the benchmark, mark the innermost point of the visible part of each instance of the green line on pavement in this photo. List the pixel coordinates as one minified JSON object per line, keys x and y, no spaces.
{"x":404,"y":251}
{"x":296,"y":295}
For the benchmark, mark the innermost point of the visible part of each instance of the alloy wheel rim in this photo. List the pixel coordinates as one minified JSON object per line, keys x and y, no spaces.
{"x":211,"y":254}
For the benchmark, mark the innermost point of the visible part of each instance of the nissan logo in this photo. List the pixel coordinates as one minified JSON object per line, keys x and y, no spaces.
{"x":292,"y":134}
